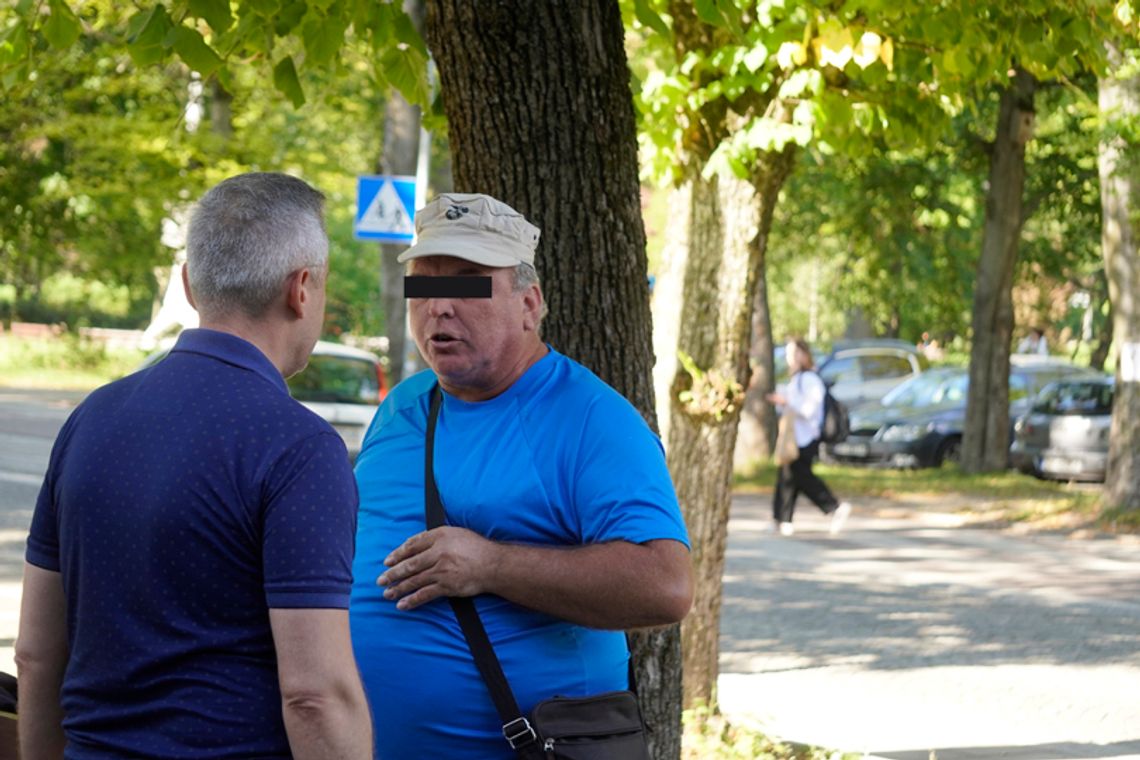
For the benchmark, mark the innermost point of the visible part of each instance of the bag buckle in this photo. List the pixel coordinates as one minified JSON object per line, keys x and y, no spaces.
{"x":519,"y":733}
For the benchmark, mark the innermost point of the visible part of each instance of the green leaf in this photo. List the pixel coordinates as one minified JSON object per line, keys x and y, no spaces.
{"x":14,"y":76}
{"x":650,"y":19}
{"x":14,"y":44}
{"x":406,"y":70}
{"x":407,"y":33}
{"x":216,"y":12}
{"x":155,"y":27}
{"x":323,"y":37}
{"x":709,"y":13}
{"x":263,"y":8}
{"x":194,"y":51}
{"x":379,"y":24}
{"x":148,"y":45}
{"x":62,"y":26}
{"x":289,"y":16}
{"x":286,"y":82}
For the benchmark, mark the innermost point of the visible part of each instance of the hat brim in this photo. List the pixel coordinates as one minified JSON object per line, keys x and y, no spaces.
{"x":464,"y":246}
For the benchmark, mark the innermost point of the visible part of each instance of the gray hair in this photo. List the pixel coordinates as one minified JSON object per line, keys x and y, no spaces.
{"x":247,"y":235}
{"x":525,"y":276}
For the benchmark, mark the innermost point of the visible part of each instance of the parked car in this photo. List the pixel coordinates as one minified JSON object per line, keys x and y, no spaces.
{"x":862,"y":371}
{"x":344,"y":385}
{"x":920,"y":422}
{"x":1064,"y":435}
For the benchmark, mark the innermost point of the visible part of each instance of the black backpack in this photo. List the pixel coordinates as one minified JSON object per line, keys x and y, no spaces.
{"x":836,"y":423}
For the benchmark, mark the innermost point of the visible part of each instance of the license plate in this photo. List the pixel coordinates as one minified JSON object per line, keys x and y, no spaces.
{"x":1061,"y":464}
{"x":850,"y":449}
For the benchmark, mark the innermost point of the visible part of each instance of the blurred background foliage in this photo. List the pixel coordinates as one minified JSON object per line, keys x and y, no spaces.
{"x":882,"y":240}
{"x":100,"y":151}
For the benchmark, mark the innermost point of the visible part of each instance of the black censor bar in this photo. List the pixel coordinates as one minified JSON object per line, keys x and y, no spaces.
{"x":447,"y":287}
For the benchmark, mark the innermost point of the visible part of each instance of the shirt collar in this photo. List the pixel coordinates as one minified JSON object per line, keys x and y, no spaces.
{"x":230,"y":349}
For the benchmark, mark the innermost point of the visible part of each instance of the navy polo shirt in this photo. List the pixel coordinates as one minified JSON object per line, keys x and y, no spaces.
{"x":181,"y":503}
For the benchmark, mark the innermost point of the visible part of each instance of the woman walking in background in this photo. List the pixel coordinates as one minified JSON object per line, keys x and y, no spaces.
{"x":803,"y":399}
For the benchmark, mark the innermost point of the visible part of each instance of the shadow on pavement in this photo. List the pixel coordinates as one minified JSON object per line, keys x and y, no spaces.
{"x":846,"y":607}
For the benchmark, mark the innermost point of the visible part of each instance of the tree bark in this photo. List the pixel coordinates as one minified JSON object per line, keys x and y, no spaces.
{"x":756,"y":434}
{"x":401,"y":143}
{"x":985,"y":445}
{"x":540,"y":115}
{"x":398,"y":156}
{"x":1119,"y":101}
{"x":728,"y":223}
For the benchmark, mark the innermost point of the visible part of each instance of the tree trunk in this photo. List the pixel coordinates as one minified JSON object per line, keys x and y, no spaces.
{"x":728,"y":223}
{"x":398,"y":156}
{"x":540,"y":115}
{"x":756,"y":434}
{"x":1120,"y":197}
{"x":985,"y":445}
{"x":401,"y":143}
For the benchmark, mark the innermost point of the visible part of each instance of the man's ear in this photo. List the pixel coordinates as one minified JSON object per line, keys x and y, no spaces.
{"x":532,"y":307}
{"x":297,"y":291}
{"x":186,"y":287}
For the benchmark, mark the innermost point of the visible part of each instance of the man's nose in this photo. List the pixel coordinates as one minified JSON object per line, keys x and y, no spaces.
{"x":438,"y":307}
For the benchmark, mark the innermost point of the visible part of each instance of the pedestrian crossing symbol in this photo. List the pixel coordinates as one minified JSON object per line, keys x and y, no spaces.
{"x":385,"y":208}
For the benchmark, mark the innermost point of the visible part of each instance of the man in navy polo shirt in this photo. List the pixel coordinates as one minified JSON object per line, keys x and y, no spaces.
{"x":189,"y":563}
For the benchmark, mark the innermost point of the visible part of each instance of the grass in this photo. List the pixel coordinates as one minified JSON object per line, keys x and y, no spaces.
{"x":65,"y":362}
{"x":997,"y":498}
{"x":711,"y":737}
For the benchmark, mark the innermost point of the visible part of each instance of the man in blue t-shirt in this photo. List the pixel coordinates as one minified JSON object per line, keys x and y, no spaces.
{"x":562,"y":521}
{"x":189,"y":563}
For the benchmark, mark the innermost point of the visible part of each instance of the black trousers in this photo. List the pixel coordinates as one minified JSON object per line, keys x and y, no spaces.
{"x":796,"y":478}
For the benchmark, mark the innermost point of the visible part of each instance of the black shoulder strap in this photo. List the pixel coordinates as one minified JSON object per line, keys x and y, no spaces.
{"x":516,"y":728}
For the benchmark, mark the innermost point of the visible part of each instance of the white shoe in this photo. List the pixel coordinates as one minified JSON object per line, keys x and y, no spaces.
{"x":787,"y":529}
{"x":839,"y":517}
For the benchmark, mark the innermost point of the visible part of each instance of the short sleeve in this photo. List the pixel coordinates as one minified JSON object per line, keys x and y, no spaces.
{"x":310,"y":526}
{"x":622,"y":489}
{"x":43,"y":538}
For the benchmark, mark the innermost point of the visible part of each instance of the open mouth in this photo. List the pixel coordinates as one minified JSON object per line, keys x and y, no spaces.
{"x":443,"y":339}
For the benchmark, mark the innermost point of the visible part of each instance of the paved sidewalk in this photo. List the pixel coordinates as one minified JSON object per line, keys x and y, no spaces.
{"x":914,"y":634}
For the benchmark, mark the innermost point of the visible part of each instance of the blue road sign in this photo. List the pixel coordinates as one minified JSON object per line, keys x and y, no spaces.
{"x":385,"y":208}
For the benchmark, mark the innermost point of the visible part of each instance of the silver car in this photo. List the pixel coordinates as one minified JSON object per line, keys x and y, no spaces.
{"x":1064,"y":436}
{"x":862,"y":371}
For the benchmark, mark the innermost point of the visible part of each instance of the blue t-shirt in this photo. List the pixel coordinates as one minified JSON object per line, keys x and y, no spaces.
{"x":558,"y":459}
{"x":180,"y":504}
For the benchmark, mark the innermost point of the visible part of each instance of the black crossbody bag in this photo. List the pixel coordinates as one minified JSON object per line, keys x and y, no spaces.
{"x":601,"y":727}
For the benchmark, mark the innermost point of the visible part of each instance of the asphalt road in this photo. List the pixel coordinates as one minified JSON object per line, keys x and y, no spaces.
{"x":29,"y":421}
{"x":907,"y":634}
{"x":910,"y":634}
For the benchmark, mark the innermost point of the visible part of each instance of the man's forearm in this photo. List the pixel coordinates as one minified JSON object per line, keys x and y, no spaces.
{"x":615,"y":585}
{"x":41,"y":659}
{"x":40,"y":719}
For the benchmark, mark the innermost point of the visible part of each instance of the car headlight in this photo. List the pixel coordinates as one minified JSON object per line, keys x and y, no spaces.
{"x":904,"y":432}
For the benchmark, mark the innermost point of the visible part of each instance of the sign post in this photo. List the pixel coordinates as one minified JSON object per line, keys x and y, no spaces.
{"x":385,"y":208}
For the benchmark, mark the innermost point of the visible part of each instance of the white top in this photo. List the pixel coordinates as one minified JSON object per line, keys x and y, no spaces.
{"x":804,"y":396}
{"x":1033,"y":345}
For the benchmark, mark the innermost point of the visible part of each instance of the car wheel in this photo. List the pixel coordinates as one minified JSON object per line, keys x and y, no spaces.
{"x":950,"y":450}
